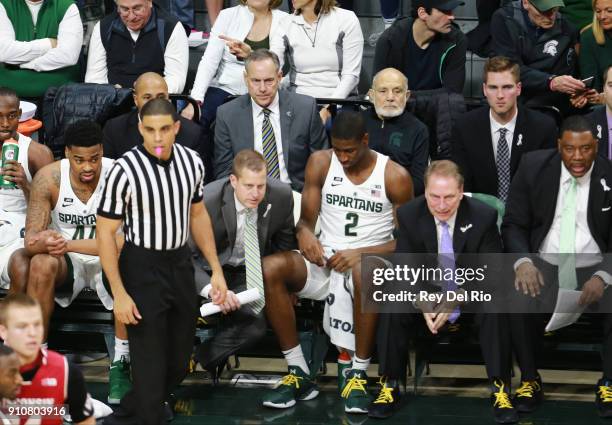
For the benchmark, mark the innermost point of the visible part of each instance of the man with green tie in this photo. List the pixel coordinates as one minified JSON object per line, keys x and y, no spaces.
{"x":559,"y":222}
{"x":251,"y":216}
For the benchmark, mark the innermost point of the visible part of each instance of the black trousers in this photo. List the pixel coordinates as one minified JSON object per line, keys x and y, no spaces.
{"x":527,"y":329}
{"x":162,"y":285}
{"x":237,"y":330}
{"x":393,"y":335}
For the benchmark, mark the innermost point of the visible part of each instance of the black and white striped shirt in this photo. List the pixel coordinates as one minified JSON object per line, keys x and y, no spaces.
{"x":153,"y":200}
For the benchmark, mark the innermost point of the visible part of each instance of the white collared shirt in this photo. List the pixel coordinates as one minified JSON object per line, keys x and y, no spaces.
{"x":495,"y":133}
{"x":451,"y":228}
{"x":258,"y":117}
{"x":237,"y":257}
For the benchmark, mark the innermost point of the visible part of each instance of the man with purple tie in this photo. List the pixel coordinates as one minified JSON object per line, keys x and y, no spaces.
{"x":601,"y":117}
{"x":443,"y":221}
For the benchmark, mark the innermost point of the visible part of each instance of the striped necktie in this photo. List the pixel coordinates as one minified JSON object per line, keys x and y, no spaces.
{"x":254,"y":277}
{"x":269,"y":146}
{"x":503,"y":166}
{"x":567,"y":239}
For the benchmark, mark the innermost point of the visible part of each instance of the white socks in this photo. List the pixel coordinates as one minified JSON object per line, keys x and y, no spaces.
{"x":122,"y":349}
{"x":295,"y":357}
{"x":361,"y":364}
{"x":388,"y":22}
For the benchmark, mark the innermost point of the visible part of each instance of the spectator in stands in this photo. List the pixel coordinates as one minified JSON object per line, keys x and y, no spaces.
{"x":328,"y":265}
{"x":13,"y":201}
{"x":558,"y":203}
{"x":428,"y":48}
{"x":237,"y":204}
{"x":284,"y":126}
{"x":121,"y":133}
{"x":323,"y":46}
{"x":63,"y":259}
{"x":393,"y":130}
{"x":10,"y":378}
{"x":39,"y":46}
{"x":21,"y":328}
{"x":490,"y":141}
{"x":542,"y":42}
{"x":137,"y":38}
{"x":596,"y":46}
{"x":238,"y":31}
{"x":431,"y":224}
{"x":601,"y":117}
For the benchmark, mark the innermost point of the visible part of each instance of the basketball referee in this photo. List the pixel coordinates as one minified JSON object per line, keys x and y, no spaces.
{"x":155,"y":192}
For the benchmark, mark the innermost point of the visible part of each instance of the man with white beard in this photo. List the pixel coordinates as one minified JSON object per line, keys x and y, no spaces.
{"x":394,"y":131}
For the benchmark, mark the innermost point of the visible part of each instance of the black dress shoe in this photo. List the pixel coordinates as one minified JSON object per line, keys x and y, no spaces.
{"x":503,"y":410}
{"x":603,"y":398}
{"x":529,"y":396}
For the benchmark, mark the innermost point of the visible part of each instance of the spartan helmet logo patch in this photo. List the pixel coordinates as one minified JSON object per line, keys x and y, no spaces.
{"x":550,"y":47}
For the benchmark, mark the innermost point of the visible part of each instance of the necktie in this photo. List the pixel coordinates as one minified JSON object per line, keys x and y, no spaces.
{"x":503,"y":166}
{"x":268,"y":142}
{"x":254,"y":278}
{"x":447,"y":261}
{"x":567,"y":239}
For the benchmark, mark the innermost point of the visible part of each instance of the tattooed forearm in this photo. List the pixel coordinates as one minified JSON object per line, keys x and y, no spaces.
{"x":39,"y":205}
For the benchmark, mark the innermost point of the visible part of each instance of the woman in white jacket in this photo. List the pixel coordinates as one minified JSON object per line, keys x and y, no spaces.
{"x":323,"y":45}
{"x":237,"y":31}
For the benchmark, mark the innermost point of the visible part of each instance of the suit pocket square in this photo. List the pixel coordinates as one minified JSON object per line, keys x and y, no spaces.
{"x":606,"y":209}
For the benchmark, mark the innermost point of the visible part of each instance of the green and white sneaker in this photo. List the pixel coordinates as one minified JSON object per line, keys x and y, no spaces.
{"x":297,"y":385}
{"x":355,"y":392}
{"x":118,"y":380}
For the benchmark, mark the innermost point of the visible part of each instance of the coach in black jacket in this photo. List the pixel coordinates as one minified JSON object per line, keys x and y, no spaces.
{"x":472,"y":226}
{"x":534,"y":224}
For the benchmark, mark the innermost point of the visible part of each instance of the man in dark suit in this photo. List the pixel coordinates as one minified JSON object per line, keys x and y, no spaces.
{"x":121,"y":133}
{"x":560,"y":202}
{"x":228,"y":201}
{"x":285,"y":127}
{"x":601,"y":117}
{"x":486,"y":164}
{"x":444,"y":221}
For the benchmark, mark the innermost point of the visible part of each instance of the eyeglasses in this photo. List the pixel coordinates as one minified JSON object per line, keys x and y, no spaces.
{"x":136,"y":10}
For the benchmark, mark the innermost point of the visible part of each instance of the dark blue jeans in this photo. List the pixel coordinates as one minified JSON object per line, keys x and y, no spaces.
{"x":212,"y":100}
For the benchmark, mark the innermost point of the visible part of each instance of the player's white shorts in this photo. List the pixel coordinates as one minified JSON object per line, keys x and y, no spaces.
{"x":336,"y":288}
{"x":84,"y":271}
{"x":5,"y":255}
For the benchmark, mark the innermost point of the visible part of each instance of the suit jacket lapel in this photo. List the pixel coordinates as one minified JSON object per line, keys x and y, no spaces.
{"x":427,"y":225}
{"x":246,"y":138}
{"x":602,"y":128}
{"x":517,"y":148}
{"x":263,"y":222}
{"x":461,"y":222}
{"x":486,"y":153}
{"x":596,"y":199}
{"x":547,"y":197}
{"x":286,"y":117}
{"x":228,"y":211}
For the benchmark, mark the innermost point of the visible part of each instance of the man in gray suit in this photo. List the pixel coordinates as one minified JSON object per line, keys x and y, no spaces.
{"x":284,"y":126}
{"x":229,"y":201}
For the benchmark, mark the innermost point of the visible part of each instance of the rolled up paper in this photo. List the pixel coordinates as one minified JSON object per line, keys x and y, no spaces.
{"x":244,"y":297}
